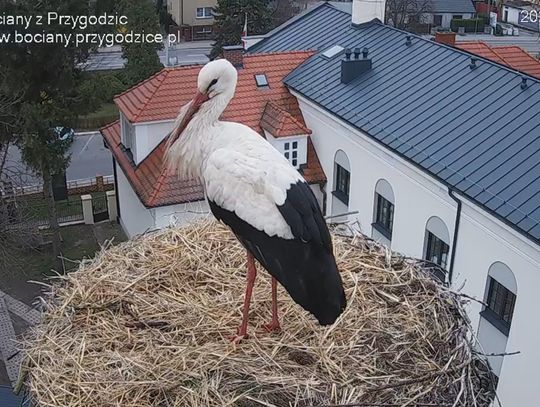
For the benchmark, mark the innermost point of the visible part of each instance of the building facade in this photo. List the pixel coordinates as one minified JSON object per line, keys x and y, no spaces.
{"x":426,"y":167}
{"x":194,"y":18}
{"x":442,"y":12}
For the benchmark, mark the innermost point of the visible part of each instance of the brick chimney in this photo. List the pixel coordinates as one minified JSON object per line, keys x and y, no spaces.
{"x":364,"y":11}
{"x":234,"y":54}
{"x":446,"y":37}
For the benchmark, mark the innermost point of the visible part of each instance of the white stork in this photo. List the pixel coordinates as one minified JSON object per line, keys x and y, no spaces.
{"x":253,"y":189}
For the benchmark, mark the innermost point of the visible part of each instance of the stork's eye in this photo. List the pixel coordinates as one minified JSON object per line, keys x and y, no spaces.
{"x":214,"y":81}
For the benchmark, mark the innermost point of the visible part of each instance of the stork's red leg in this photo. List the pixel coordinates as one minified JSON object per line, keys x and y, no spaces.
{"x":251,"y":274}
{"x":274,"y":325}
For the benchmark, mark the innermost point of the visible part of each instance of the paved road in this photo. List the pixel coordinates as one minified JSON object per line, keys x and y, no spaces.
{"x":89,"y":158}
{"x":181,"y":54}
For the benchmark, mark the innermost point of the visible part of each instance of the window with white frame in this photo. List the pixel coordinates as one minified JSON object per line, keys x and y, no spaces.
{"x":290,"y":149}
{"x":204,"y":12}
{"x":128,"y":134}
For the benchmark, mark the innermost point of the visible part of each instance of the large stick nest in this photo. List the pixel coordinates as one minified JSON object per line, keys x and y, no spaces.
{"x":147,"y":323}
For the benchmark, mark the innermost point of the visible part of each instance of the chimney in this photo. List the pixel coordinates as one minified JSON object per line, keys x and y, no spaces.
{"x":234,"y":54}
{"x":446,"y":37}
{"x":352,"y":68}
{"x":364,"y":11}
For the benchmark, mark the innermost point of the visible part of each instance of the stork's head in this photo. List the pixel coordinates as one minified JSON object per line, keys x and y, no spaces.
{"x":216,"y":84}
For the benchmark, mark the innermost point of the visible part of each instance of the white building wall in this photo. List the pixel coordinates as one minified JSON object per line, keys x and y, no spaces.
{"x":446,"y":18}
{"x":135,"y":218}
{"x":482,"y":240}
{"x":148,"y":136}
{"x":181,"y":214}
{"x":513,"y":15}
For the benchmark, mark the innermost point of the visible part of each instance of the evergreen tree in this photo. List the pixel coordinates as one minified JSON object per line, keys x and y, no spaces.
{"x":229,"y":21}
{"x":142,"y":59}
{"x":45,"y":79}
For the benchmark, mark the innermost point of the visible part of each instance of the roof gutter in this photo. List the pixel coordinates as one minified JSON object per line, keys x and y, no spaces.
{"x":456,"y":232}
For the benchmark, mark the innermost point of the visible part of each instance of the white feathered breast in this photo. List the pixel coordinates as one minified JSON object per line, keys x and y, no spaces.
{"x":245,"y":174}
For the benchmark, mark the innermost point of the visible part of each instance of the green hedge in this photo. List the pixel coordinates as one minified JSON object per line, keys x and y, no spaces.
{"x":471,"y":25}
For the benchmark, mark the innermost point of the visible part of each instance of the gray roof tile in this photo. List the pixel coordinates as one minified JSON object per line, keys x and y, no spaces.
{"x":475,"y":130}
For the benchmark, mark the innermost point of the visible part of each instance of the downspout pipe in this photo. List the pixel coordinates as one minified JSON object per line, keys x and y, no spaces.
{"x":456,"y":233}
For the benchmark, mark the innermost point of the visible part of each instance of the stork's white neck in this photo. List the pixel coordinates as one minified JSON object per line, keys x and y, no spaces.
{"x":197,"y":141}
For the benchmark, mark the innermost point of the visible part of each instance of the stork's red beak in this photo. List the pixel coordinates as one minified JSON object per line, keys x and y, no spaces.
{"x":196,"y":103}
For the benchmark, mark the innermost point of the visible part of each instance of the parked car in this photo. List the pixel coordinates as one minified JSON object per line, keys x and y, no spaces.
{"x":64,"y":133}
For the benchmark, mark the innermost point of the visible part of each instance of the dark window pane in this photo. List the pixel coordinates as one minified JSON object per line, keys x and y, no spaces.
{"x":342,"y":180}
{"x":287,"y":156}
{"x":294,"y":162}
{"x":294,"y":154}
{"x":437,"y":250}
{"x":501,"y":301}
{"x":287,"y":146}
{"x":295,"y":144}
{"x":384,"y":213}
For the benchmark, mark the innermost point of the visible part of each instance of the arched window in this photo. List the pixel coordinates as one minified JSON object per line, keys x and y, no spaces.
{"x":437,"y":242}
{"x":500,"y":297}
{"x":383,"y":210}
{"x":342,"y":177}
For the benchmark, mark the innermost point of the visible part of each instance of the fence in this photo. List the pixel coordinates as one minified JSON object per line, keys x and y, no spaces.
{"x":74,"y":187}
{"x":24,"y":212}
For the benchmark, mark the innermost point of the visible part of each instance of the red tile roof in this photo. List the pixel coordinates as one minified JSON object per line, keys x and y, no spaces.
{"x":519,"y":59}
{"x":512,"y":56}
{"x":152,"y":183}
{"x":280,"y":123}
{"x":482,"y":49}
{"x":160,"y":98}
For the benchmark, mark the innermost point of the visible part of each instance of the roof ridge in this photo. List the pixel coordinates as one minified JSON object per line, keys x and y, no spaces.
{"x":142,"y":109}
{"x":135,"y":86}
{"x":158,"y":186}
{"x":294,"y":119}
{"x":456,"y":49}
{"x":287,"y":115}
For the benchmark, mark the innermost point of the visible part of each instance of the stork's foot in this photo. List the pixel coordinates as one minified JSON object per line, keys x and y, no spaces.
{"x":240,"y":336}
{"x":273,"y":326}
{"x":236,"y":339}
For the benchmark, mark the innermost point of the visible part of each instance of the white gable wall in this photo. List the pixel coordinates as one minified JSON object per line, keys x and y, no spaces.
{"x":148,"y":136}
{"x":135,"y":218}
{"x":482,"y":240}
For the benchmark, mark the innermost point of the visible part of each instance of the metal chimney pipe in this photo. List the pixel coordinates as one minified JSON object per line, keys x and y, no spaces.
{"x":365,"y":52}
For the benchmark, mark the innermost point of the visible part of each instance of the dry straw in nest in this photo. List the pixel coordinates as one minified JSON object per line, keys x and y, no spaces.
{"x":147,"y":323}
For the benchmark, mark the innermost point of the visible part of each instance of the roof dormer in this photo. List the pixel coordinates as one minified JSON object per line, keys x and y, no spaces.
{"x":286,"y":133}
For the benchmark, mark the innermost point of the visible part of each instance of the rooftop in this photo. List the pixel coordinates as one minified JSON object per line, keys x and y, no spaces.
{"x":474,"y":130}
{"x":510,"y":55}
{"x":160,"y":97}
{"x":452,"y":6}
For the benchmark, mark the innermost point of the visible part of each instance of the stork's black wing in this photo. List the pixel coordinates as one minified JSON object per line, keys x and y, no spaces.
{"x":302,"y":213}
{"x":305,"y":265}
